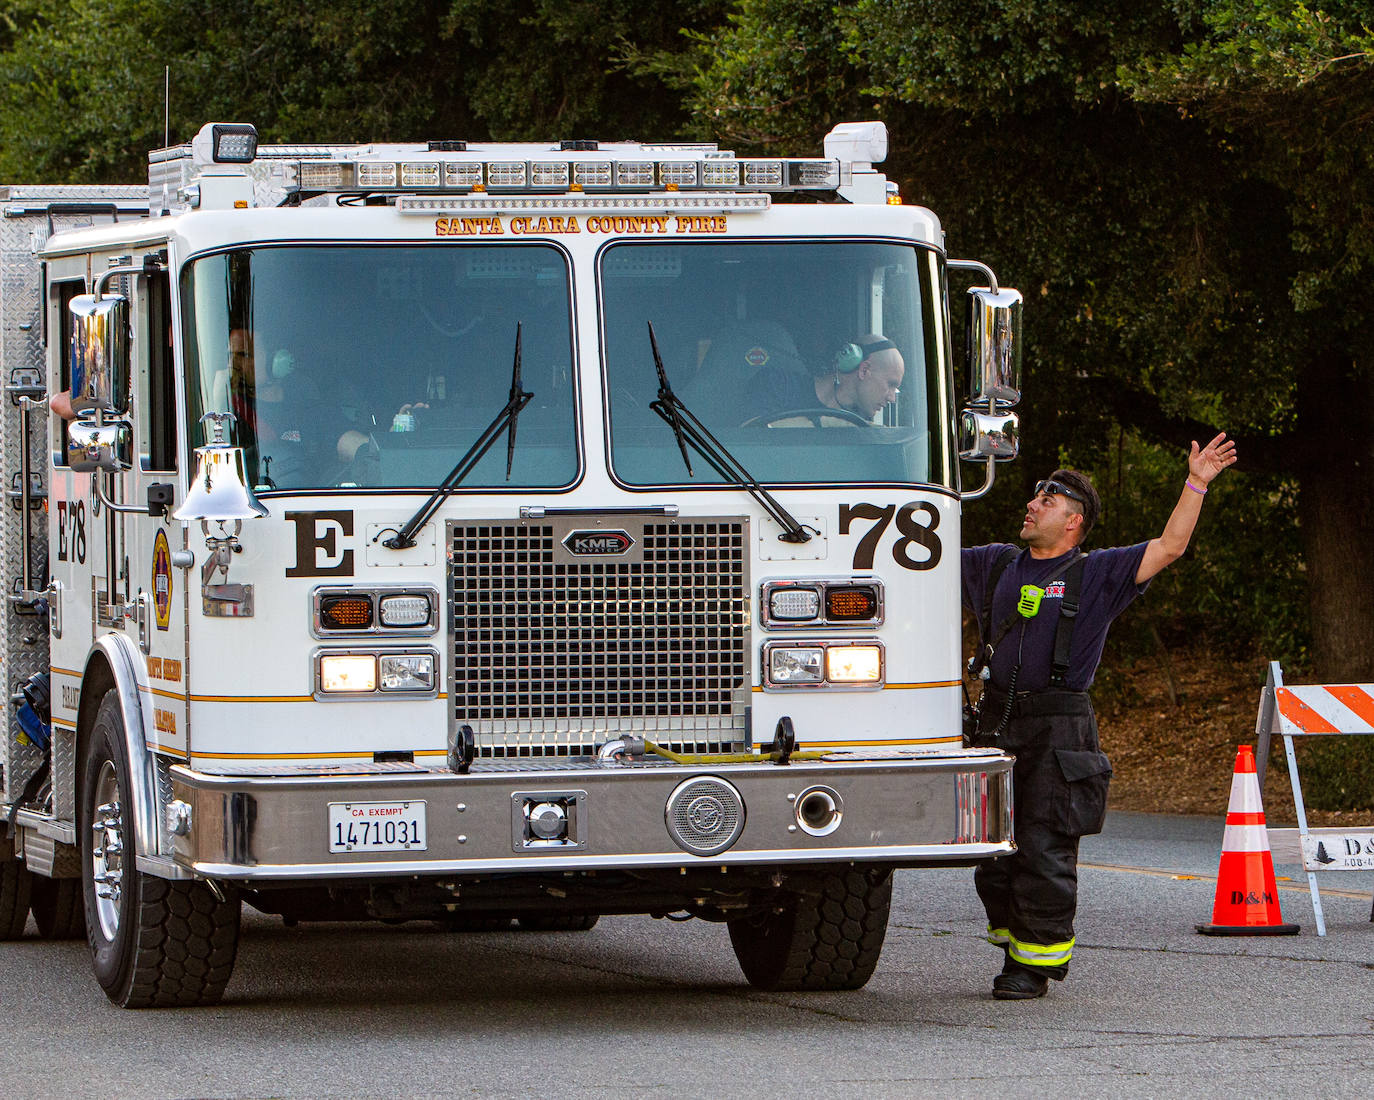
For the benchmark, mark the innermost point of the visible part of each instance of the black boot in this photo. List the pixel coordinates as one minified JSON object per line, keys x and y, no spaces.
{"x":1018,"y":983}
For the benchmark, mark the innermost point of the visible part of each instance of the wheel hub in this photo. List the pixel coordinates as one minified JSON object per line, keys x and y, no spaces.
{"x":107,"y":851}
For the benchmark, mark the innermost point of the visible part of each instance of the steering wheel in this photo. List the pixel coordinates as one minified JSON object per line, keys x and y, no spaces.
{"x":362,"y":470}
{"x":816,"y":416}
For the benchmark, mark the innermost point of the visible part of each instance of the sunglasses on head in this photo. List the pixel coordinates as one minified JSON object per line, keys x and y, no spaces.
{"x":1050,"y":487}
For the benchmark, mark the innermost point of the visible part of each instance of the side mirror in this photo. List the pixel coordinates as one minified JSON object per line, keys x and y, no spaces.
{"x":994,"y":346}
{"x":99,"y":354}
{"x":988,"y":431}
{"x":989,"y":435}
{"x":96,"y":448}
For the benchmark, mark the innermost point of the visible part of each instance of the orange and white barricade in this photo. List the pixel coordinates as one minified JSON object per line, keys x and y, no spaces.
{"x":1307,"y":711}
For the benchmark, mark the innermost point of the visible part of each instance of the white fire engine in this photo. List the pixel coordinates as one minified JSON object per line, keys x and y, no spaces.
{"x":497,"y":535}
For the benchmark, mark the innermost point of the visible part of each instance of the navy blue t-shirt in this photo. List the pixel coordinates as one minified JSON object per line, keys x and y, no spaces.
{"x":1105,"y":589}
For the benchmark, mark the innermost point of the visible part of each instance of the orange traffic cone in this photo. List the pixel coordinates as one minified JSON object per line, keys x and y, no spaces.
{"x":1247,"y":901}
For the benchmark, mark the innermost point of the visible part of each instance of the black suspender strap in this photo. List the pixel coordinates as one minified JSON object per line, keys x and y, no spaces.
{"x":987,"y":643}
{"x":1004,"y":559}
{"x":1068,"y":614}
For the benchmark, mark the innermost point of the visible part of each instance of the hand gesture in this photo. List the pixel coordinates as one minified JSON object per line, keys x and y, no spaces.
{"x":1204,"y":464}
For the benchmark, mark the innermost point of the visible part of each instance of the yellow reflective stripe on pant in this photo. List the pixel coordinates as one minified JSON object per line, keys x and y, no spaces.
{"x":998,"y":937}
{"x":1039,"y":954}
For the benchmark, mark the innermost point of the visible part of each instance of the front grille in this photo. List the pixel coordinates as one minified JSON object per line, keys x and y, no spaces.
{"x":556,"y":653}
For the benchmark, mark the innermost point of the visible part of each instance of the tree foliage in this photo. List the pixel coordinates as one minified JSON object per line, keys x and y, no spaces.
{"x":1182,"y":189}
{"x":82,"y":81}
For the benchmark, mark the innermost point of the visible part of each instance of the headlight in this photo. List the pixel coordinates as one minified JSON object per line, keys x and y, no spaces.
{"x":348,"y":674}
{"x":407,"y":672}
{"x":853,"y":664}
{"x":846,"y":663}
{"x":360,"y":674}
{"x":795,"y":666}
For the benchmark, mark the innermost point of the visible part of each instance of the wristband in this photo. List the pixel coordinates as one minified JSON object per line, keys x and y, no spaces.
{"x":1189,"y":482}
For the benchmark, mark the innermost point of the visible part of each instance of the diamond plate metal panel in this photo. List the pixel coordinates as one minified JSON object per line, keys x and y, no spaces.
{"x":28,"y":217}
{"x":64,"y":774}
{"x":172,"y":170}
{"x":45,"y":856}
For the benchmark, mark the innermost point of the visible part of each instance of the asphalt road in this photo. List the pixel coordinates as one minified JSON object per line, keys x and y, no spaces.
{"x":646,"y":1008}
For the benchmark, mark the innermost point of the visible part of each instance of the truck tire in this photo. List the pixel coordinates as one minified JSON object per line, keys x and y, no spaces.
{"x":826,"y":938}
{"x":16,"y":884}
{"x":557,"y":922}
{"x":58,"y":908}
{"x":153,"y":942}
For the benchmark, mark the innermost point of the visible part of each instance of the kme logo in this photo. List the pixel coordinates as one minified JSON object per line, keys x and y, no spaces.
{"x":598,"y":543}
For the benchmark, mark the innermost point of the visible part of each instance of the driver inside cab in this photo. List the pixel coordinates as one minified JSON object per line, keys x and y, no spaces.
{"x":864,"y":376}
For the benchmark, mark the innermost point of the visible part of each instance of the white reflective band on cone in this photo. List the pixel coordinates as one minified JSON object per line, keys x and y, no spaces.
{"x":1245,"y":794}
{"x":1245,"y":838}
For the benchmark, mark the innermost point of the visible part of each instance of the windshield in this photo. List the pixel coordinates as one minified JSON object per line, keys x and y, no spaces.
{"x":379,"y":366}
{"x":811,"y":362}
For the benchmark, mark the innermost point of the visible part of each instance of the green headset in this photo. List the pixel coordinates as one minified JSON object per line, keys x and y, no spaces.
{"x":850,"y":357}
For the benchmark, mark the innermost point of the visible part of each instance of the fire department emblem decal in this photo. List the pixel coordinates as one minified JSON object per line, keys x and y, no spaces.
{"x":162,"y":581}
{"x":756,"y":356}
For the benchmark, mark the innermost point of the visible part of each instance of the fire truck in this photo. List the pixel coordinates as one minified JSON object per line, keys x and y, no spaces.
{"x":499,"y":535}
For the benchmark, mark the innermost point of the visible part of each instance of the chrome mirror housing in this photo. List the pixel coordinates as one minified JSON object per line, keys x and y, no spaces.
{"x":989,"y":435}
{"x":994,"y":346}
{"x":99,"y":354}
{"x":100,"y":448}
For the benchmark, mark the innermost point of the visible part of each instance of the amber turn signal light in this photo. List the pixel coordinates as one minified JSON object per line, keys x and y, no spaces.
{"x":851,"y":604}
{"x":346,"y":613}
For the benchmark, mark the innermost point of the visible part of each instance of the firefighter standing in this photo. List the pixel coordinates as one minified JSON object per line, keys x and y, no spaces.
{"x":1040,"y":664}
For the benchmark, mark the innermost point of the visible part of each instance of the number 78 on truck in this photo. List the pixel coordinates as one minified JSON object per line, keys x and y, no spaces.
{"x":503,"y":535}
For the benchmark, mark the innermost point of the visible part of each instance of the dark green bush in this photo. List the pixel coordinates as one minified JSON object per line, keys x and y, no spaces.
{"x":1337,"y":773}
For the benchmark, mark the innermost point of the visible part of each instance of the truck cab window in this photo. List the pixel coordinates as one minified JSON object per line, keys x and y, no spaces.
{"x":157,"y":423}
{"x":816,"y":361}
{"x":378,"y":367}
{"x":62,"y":294}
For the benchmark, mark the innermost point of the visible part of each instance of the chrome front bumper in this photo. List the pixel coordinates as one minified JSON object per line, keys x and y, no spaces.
{"x":902,"y":809}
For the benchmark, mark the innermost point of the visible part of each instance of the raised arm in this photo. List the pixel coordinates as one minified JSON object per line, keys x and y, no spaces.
{"x":1204,"y":465}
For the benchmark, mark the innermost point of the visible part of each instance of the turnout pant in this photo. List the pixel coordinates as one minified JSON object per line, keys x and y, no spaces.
{"x":1059,"y":785}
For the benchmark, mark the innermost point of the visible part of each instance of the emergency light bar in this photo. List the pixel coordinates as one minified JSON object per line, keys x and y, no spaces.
{"x":563,"y":176}
{"x":202,"y":173}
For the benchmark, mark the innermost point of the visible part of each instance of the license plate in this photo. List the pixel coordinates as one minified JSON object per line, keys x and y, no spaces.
{"x":377,"y":827}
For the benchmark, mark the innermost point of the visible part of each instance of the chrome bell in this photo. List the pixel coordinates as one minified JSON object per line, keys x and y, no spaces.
{"x":220,"y":489}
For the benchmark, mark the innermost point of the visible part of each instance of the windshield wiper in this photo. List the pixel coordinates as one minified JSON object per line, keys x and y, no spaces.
{"x":507,"y":418}
{"x":688,"y":429}
{"x":517,"y":400}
